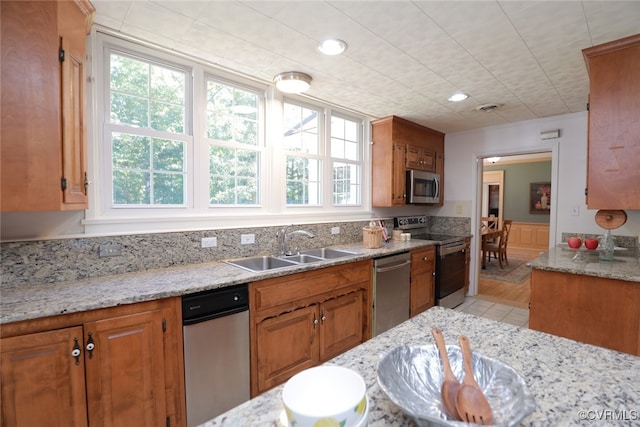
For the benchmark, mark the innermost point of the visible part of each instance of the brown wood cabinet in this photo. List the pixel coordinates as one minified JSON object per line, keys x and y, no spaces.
{"x":43,"y":162}
{"x":304,"y":319}
{"x":613,"y":176}
{"x":423,"y":279}
{"x":104,"y":367}
{"x":593,"y":310}
{"x":398,"y":145}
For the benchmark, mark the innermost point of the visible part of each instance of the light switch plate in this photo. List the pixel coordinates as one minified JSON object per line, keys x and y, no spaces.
{"x":247,"y":239}
{"x":335,"y":230}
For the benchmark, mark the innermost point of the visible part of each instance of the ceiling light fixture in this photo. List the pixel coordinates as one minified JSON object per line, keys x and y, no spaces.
{"x":332,"y":47}
{"x":458,"y":96}
{"x":493,"y":159}
{"x":292,"y":82}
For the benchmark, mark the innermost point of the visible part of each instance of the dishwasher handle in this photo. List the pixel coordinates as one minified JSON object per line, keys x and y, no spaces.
{"x":393,"y":267}
{"x":210,"y":316}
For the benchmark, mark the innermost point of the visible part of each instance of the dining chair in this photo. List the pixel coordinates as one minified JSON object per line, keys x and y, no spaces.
{"x":499,"y":248}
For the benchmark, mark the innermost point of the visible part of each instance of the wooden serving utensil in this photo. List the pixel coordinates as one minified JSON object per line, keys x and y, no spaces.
{"x":471,"y":403}
{"x":450,"y":384}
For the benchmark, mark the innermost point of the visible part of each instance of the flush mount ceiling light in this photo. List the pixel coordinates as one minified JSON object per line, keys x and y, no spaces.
{"x":493,"y":159}
{"x":292,"y":82}
{"x":332,"y":47}
{"x":458,"y":96}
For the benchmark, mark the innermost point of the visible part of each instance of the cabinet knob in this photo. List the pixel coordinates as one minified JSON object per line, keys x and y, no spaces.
{"x":90,"y":346}
{"x":75,"y":351}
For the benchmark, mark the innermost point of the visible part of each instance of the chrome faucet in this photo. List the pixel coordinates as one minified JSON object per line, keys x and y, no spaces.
{"x":283,"y":237}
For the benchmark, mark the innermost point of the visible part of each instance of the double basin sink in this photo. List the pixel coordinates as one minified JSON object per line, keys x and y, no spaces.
{"x":264,"y":263}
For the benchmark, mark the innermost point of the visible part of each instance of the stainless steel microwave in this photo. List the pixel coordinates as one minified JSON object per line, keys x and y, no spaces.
{"x":423,"y":187}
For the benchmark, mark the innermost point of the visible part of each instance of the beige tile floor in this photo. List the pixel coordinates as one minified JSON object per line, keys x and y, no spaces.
{"x":501,"y":312}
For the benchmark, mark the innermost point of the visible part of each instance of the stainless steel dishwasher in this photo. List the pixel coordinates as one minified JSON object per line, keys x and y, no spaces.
{"x":391,"y":284}
{"x":216,"y":351}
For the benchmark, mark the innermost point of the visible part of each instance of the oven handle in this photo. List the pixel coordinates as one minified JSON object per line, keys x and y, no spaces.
{"x":444,"y":251}
{"x":393,"y":267}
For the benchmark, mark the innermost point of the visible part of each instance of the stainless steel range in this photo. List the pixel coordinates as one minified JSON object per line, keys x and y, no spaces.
{"x":450,"y":259}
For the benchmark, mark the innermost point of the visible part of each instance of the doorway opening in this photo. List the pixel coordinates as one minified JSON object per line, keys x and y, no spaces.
{"x":504,"y":194}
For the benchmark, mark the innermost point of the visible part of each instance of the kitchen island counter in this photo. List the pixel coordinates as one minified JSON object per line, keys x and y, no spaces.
{"x":625,"y":265}
{"x":572,"y":383}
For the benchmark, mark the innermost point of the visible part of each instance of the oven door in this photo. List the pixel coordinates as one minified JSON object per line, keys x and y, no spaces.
{"x":450,"y":277}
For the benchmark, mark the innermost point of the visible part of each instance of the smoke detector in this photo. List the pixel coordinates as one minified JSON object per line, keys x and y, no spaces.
{"x":487,"y":107}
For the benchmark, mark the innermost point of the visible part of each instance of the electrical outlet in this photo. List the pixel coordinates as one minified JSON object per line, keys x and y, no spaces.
{"x":209,"y":242}
{"x":247,"y":239}
{"x":335,"y":230}
{"x":458,"y":209}
{"x":110,"y":250}
{"x":575,"y":210}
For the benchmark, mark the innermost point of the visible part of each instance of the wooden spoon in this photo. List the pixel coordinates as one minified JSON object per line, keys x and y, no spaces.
{"x":471,"y":403}
{"x":450,"y":384}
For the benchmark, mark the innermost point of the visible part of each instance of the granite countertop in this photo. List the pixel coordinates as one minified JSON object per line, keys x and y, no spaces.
{"x":27,"y":302}
{"x":572,"y":383}
{"x":625,"y":265}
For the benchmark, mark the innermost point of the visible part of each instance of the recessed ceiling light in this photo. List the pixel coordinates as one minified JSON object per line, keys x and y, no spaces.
{"x":332,"y":47}
{"x":458,"y":96}
{"x":487,"y":107}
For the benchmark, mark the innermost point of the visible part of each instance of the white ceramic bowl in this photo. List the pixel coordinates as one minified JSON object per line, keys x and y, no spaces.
{"x":325,"y":396}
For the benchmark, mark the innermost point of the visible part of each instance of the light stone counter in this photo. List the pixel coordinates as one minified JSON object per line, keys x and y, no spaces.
{"x":625,"y":265}
{"x":573,"y":383}
{"x":30,"y":301}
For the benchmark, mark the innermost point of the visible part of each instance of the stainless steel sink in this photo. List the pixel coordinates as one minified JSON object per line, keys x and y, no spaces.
{"x":303,"y":258}
{"x":264,"y":263}
{"x":261,"y":263}
{"x":327,"y":253}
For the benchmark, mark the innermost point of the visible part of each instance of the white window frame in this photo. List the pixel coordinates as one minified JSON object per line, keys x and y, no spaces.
{"x":101,"y":218}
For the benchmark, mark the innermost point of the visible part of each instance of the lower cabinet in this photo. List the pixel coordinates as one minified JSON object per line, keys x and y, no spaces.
{"x":113,"y":366}
{"x":305,"y":319}
{"x":423,"y":279}
{"x":593,"y":310}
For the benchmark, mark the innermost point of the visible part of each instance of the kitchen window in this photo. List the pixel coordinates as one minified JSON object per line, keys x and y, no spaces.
{"x":184,"y":143}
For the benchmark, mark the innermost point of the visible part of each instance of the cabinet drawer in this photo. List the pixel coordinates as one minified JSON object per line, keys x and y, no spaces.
{"x":423,"y":259}
{"x":300,"y":289}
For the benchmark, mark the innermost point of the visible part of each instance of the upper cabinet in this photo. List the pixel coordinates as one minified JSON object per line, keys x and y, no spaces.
{"x":399,"y":145}
{"x":613,"y":176}
{"x":43,"y":136}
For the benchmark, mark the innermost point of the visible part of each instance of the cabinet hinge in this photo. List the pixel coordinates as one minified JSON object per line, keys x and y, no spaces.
{"x":164,"y":325}
{"x":586,"y":191}
{"x":61,"y":55}
{"x":63,"y":183}
{"x":587,"y":106}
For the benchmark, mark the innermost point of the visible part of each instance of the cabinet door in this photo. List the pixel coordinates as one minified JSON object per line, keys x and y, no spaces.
{"x":399,"y":178}
{"x":286,"y":345}
{"x":42,"y":385}
{"x":422,"y":280}
{"x":341,"y":324}
{"x":413,"y":158}
{"x":613,"y":176}
{"x":126,"y":370}
{"x":71,"y":27}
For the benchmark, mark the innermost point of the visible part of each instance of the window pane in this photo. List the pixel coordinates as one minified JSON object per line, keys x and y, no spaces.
{"x":147,"y":171}
{"x":131,"y":188}
{"x":301,"y":129}
{"x":146,"y":95}
{"x":232,"y":114}
{"x":346,"y":184}
{"x":303,"y":181}
{"x":234,"y":176}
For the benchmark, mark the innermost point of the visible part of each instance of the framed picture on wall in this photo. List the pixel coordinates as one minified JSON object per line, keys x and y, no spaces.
{"x":540,"y":198}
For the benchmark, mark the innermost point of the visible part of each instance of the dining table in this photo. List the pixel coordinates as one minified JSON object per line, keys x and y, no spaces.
{"x":487,"y":235}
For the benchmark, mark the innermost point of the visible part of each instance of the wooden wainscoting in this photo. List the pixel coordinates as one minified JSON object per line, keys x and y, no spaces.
{"x":528,"y":238}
